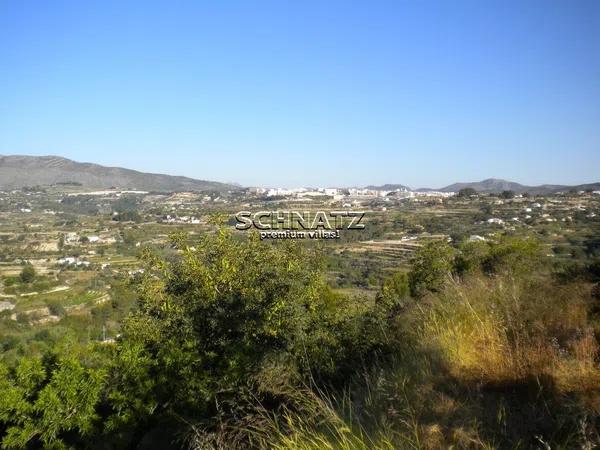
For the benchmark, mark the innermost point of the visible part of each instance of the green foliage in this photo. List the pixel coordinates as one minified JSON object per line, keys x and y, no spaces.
{"x":10,"y":281}
{"x":53,"y":405}
{"x":126,"y":203}
{"x":210,"y":321}
{"x":467,"y":192}
{"x":394,"y":292}
{"x":56,"y":308}
{"x":128,"y":216}
{"x":471,"y":256}
{"x":129,"y":237}
{"x":513,"y":254}
{"x":27,"y":275}
{"x":241,"y":343}
{"x":431,"y":267}
{"x":505,"y":253}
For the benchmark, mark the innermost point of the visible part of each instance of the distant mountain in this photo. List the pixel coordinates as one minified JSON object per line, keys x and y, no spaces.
{"x":495,"y":185}
{"x":388,"y":187}
{"x":586,"y":187}
{"x":20,"y":171}
{"x":491,"y":185}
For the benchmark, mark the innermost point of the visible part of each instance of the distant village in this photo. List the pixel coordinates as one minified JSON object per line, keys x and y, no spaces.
{"x":342,"y":193}
{"x":80,"y":243}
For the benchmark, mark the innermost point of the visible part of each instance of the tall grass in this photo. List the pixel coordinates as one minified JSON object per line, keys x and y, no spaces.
{"x":318,"y":424}
{"x":505,"y":329}
{"x":486,"y":363}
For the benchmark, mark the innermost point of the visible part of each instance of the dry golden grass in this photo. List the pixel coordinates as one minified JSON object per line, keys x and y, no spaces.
{"x":504,"y":330}
{"x":466,"y":373}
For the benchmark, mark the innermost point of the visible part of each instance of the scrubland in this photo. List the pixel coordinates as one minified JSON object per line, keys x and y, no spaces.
{"x":240,"y":344}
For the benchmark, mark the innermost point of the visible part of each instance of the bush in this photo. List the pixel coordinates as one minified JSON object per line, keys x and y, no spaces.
{"x":213,"y":322}
{"x":27,"y":275}
{"x":56,"y":309}
{"x":238,"y":343}
{"x":467,"y":192}
{"x":395,"y":292}
{"x":10,"y":281}
{"x":513,"y":254}
{"x":431,"y":267}
{"x":43,"y":408}
{"x":497,"y":256}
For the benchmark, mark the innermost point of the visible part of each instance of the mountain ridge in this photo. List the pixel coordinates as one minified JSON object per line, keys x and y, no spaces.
{"x":18,"y":171}
{"x":496,"y":186}
{"x":389,"y":187}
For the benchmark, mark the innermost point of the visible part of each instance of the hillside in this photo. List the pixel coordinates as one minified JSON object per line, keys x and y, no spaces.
{"x":21,"y":171}
{"x":495,"y":185}
{"x":389,"y":187}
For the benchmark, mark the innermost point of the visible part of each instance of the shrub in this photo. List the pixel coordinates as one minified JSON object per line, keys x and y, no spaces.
{"x":467,"y":192}
{"x":506,"y":253}
{"x":431,"y":267}
{"x":508,"y":329}
{"x":394,"y":292}
{"x":212,"y":320}
{"x":48,"y":408}
{"x":56,"y":308}
{"x":27,"y":275}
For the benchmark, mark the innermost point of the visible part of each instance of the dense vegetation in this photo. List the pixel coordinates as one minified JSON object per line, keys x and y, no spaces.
{"x":238,"y":343}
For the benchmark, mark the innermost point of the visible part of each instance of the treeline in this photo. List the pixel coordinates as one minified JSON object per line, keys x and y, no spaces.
{"x":238,"y":344}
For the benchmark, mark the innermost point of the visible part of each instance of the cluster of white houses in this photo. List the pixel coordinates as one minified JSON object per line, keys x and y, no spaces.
{"x":168,"y":218}
{"x":340,"y":193}
{"x":73,"y":238}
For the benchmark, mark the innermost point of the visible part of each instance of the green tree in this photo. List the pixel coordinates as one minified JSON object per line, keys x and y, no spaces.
{"x":467,"y":192}
{"x":471,"y":256}
{"x":507,"y":194}
{"x":46,"y":405}
{"x":514,"y":254}
{"x":431,"y":266}
{"x":27,"y":275}
{"x":394,"y":292}
{"x":211,"y":321}
{"x":505,"y":253}
{"x":128,"y":216}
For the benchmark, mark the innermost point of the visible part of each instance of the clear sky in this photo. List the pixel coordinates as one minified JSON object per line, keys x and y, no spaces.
{"x":295,"y":93}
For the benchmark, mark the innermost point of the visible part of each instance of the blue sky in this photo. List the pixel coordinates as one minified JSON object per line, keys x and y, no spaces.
{"x":310,"y":92}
